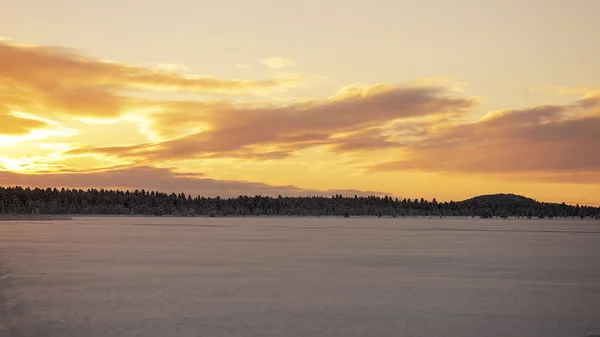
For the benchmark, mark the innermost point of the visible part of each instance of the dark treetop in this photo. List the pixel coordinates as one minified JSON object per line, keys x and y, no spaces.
{"x":18,"y":200}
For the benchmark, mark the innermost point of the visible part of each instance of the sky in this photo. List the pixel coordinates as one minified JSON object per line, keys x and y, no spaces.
{"x":440,"y":98}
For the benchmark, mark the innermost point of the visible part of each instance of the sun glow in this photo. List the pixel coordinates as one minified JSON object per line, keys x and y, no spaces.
{"x":13,"y":164}
{"x":37,"y":135}
{"x":26,"y":115}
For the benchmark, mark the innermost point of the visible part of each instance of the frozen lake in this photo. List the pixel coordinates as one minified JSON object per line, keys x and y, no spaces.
{"x":259,"y":277}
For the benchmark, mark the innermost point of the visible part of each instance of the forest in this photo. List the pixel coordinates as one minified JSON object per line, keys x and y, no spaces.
{"x":18,"y":200}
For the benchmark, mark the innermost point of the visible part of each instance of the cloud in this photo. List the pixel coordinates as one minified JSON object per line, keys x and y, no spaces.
{"x":278,"y":62}
{"x":161,"y":179}
{"x":420,"y":126}
{"x":587,"y":91}
{"x":15,"y":126}
{"x":365,"y":140}
{"x":269,"y":131}
{"x":172,"y":67}
{"x":556,"y":140}
{"x":43,"y":80}
{"x":572,"y":177}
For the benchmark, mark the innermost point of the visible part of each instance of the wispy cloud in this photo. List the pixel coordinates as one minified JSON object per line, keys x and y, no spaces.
{"x":12,"y":124}
{"x":16,"y":126}
{"x":278,"y":62}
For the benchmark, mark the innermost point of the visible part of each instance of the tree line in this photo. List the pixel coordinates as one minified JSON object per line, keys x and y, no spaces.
{"x":18,"y":200}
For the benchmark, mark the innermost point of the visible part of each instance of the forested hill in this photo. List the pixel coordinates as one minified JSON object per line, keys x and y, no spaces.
{"x":17,"y":200}
{"x":503,"y":198}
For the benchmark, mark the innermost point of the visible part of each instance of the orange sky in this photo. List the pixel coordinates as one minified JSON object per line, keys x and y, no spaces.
{"x":445,"y":99}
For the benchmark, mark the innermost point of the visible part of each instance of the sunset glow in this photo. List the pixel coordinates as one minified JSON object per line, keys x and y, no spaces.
{"x":421,"y":105}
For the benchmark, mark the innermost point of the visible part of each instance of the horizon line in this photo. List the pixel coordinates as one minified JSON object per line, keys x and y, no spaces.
{"x":334,"y":193}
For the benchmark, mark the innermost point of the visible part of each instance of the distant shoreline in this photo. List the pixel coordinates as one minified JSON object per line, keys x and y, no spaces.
{"x":32,"y":217}
{"x":59,"y":217}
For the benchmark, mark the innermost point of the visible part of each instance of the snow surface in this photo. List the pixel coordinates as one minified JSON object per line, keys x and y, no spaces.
{"x":159,"y":277}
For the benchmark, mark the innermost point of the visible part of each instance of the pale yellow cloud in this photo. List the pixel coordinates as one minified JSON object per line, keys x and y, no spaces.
{"x":172,"y":67}
{"x":277,"y":62}
{"x":558,"y":90}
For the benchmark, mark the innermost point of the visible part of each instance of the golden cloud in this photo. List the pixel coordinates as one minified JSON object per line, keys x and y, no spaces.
{"x":50,"y":79}
{"x":553,"y":139}
{"x":364,"y":140}
{"x":231,"y":130}
{"x":420,"y":125}
{"x":15,"y":126}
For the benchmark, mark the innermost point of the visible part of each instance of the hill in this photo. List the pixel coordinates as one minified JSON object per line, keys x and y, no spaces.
{"x":18,"y":200}
{"x":504,"y":205}
{"x":502,"y":198}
